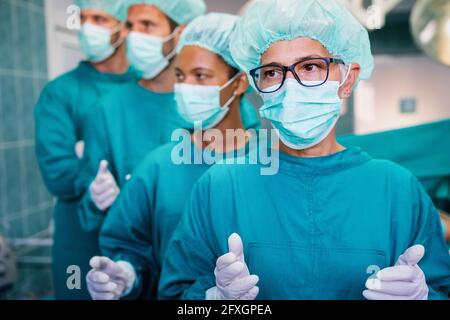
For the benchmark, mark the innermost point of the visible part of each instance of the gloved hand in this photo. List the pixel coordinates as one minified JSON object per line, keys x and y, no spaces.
{"x":104,"y":189}
{"x":109,"y":280}
{"x":233,"y":279}
{"x":79,"y":149}
{"x":404,"y":281}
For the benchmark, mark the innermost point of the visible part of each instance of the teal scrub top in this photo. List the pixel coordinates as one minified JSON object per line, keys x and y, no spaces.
{"x":129,"y":124}
{"x":421,"y":149}
{"x":60,"y":116}
{"x":316,"y":230}
{"x":141,"y":222}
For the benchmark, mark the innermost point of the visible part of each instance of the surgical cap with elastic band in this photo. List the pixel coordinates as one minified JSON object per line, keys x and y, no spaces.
{"x":270,"y":21}
{"x":211,"y":32}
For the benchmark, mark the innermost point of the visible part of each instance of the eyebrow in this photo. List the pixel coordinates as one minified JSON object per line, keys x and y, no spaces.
{"x":194,"y":70}
{"x":143,"y":21}
{"x":202,"y":69}
{"x":298,"y":59}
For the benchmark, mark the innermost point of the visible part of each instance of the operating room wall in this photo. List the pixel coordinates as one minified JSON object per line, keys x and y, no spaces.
{"x":402,"y":77}
{"x":25,"y":205}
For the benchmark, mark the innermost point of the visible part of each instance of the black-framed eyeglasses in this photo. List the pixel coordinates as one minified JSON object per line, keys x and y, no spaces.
{"x":309,"y":72}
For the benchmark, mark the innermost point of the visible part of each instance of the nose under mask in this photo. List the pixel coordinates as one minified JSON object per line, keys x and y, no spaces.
{"x":201,"y":104}
{"x":304,"y":116}
{"x":95,"y":42}
{"x":145,"y":54}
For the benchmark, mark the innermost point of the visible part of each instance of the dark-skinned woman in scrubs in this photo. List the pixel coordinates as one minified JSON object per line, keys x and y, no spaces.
{"x":209,"y":92}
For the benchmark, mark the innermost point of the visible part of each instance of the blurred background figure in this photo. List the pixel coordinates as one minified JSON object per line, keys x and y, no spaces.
{"x":406,"y":96}
{"x":138,"y":117}
{"x":139,"y":225}
{"x":61,"y":122}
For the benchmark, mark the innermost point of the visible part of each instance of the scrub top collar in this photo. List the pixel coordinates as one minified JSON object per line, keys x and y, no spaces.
{"x":88,"y":69}
{"x":321,"y":166}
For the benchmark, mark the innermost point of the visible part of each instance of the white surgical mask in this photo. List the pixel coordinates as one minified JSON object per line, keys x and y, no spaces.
{"x":145,"y":54}
{"x":95,"y":42}
{"x":201,"y":104}
{"x":304,"y":116}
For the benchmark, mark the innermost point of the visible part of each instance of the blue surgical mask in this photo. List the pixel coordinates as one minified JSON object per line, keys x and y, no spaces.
{"x":199,"y":104}
{"x":304,"y":116}
{"x":145,"y":54}
{"x":95,"y":42}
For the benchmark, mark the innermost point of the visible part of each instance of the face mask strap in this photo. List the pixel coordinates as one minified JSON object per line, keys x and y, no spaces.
{"x":170,"y":36}
{"x":117,"y":29}
{"x":347,"y":75}
{"x":119,"y":41}
{"x":237,"y":75}
{"x":171,"y":54}
{"x":233,"y":97}
{"x":230,"y":101}
{"x":167,"y":39}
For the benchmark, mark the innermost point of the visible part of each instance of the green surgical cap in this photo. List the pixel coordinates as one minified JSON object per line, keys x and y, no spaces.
{"x":180,"y":11}
{"x":270,"y":21}
{"x":212,"y":32}
{"x":115,"y":8}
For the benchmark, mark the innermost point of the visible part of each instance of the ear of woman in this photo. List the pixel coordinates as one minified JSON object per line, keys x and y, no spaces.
{"x":347,"y":88}
{"x":242,"y":84}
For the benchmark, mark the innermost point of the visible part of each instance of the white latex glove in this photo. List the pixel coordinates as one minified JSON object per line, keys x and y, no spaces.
{"x":109,"y":280}
{"x":104,"y":189}
{"x":404,"y":281}
{"x":79,"y":149}
{"x":233,"y":279}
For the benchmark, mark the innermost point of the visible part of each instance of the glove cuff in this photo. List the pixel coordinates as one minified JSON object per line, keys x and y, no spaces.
{"x":130,"y":276}
{"x":212,"y":294}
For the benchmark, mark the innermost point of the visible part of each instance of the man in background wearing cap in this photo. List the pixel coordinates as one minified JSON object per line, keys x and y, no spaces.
{"x":60,"y":131}
{"x":137,"y":117}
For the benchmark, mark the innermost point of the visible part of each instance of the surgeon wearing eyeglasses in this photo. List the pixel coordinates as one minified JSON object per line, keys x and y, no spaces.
{"x":334,"y":223}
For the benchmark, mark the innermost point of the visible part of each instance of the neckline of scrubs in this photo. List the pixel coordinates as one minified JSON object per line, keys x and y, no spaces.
{"x":343,"y":160}
{"x":89,"y":69}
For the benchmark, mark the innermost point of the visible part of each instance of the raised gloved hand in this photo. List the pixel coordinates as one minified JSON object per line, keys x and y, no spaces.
{"x":104,"y":189}
{"x":233,"y":279}
{"x":79,"y":149}
{"x":404,"y":281}
{"x":109,"y":280}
